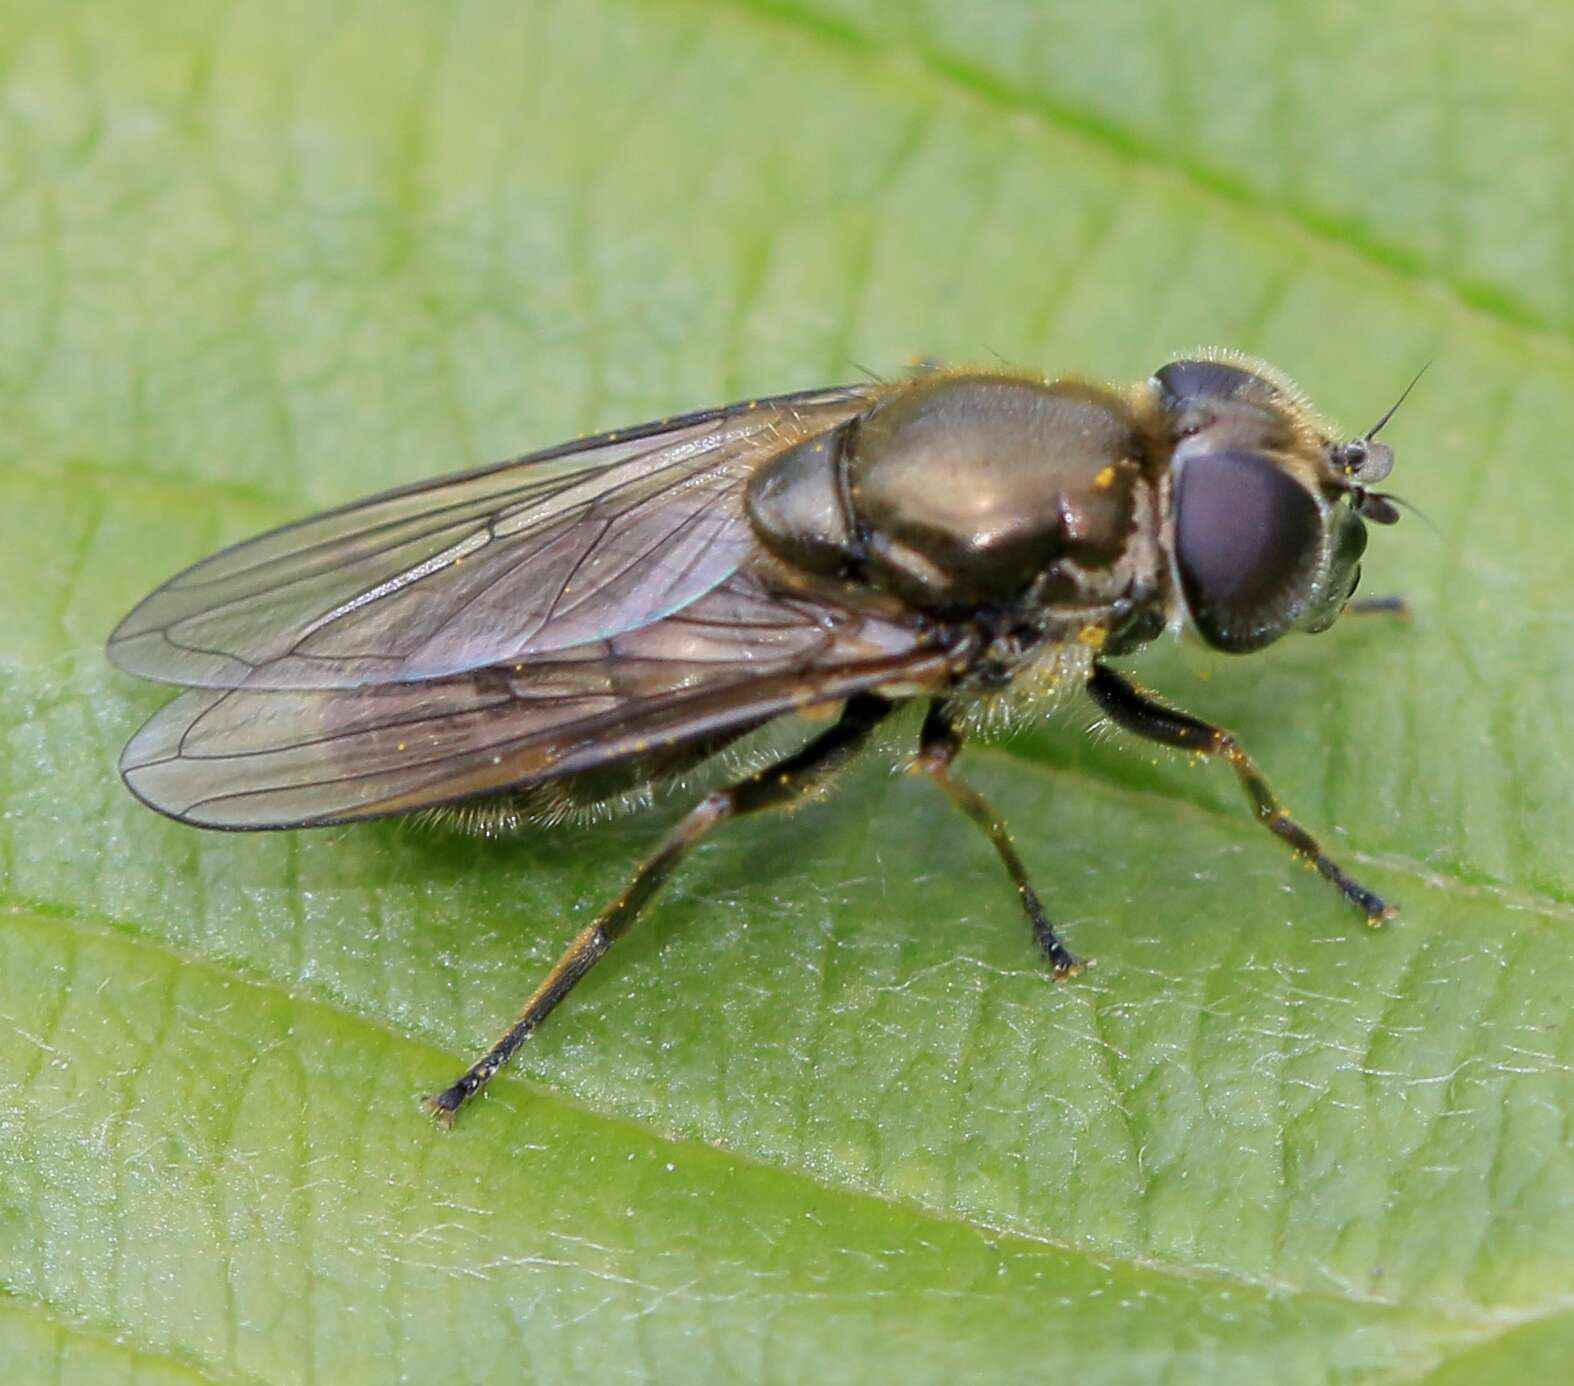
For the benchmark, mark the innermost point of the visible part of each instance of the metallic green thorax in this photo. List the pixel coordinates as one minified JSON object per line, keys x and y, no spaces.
{"x":980,"y":493}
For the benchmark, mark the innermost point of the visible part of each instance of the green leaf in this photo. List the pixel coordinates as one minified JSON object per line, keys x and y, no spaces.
{"x":824,"y":1116}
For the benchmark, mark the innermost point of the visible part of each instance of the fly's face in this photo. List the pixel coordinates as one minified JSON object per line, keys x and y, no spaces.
{"x":1266,"y":513}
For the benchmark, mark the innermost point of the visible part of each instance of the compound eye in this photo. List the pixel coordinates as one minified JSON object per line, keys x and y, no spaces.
{"x":1247,"y":545}
{"x":1184,"y":382}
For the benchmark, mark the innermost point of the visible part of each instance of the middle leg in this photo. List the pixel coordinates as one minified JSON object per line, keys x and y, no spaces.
{"x":939,"y":743}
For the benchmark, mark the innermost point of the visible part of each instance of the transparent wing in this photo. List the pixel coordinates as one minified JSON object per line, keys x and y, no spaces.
{"x":731,"y":660}
{"x":543,"y":553}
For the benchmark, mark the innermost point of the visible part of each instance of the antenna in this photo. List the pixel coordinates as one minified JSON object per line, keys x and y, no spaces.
{"x":1393,"y":409}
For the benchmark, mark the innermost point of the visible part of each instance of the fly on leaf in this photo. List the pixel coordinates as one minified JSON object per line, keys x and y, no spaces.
{"x":561,"y":632}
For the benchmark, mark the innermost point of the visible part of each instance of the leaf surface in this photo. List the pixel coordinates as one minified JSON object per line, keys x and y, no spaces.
{"x":824,"y":1116}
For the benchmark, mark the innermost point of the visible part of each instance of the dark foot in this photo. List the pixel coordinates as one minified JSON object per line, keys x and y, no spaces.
{"x":1061,"y":959}
{"x":444,"y":1105}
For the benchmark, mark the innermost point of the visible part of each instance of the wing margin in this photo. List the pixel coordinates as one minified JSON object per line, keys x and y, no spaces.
{"x":434,"y":579}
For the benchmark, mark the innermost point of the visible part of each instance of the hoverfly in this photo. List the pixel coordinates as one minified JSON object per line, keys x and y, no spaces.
{"x":563,"y":630}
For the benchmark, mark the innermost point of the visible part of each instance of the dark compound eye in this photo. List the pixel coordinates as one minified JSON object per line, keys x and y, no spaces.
{"x":1247,"y":539}
{"x":1183,"y":382}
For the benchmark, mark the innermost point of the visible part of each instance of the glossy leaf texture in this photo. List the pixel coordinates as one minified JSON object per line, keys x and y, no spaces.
{"x":825,"y":1116}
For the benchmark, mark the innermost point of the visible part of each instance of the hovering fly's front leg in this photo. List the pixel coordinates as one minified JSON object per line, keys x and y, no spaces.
{"x":1137,"y":713}
{"x":777,"y":786}
{"x":939,"y":743}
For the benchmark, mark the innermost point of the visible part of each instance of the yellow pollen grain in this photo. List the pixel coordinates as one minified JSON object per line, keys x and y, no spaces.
{"x":1104,"y":480}
{"x":1093,"y":637}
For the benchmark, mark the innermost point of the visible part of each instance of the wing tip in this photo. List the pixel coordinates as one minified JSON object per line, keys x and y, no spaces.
{"x":160,"y":775}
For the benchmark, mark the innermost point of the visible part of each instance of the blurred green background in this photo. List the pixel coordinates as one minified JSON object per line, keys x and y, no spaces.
{"x":824,"y":1117}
